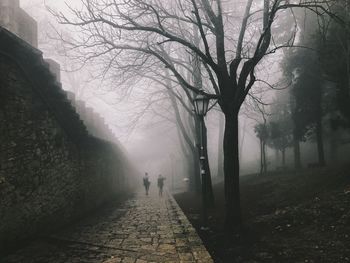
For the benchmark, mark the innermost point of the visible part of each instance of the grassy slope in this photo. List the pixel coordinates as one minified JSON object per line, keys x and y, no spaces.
{"x":292,"y":217}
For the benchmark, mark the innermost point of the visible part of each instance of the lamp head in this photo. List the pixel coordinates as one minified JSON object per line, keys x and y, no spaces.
{"x":201,"y":103}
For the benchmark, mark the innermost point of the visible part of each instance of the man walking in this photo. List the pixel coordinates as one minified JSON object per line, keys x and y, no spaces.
{"x":146,"y":183}
{"x":160,"y":182}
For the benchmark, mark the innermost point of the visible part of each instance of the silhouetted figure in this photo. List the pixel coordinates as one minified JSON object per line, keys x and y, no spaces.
{"x":146,"y":183}
{"x":160,"y":182}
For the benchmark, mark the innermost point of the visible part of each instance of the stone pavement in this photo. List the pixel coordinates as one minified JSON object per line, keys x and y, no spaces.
{"x":143,"y":229}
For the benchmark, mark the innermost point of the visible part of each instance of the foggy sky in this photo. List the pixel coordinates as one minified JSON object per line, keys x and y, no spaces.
{"x":149,"y":145}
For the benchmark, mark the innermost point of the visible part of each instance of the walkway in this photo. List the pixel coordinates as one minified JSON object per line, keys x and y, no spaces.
{"x":143,"y":229}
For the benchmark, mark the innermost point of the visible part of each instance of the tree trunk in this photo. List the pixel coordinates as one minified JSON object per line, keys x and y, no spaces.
{"x":220,"y":171}
{"x":243,"y":131}
{"x":283,"y":157}
{"x":297,"y":157}
{"x":261,"y":158}
{"x":191,"y":154}
{"x":189,"y":159}
{"x":319,"y":126}
{"x":264,"y":156}
{"x":294,"y":104}
{"x":231,"y":173}
{"x":320,"y":149}
{"x":277,"y":156}
{"x":347,"y":48}
{"x":333,"y":146}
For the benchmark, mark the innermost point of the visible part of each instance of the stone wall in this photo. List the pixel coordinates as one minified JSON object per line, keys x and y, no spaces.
{"x":51,"y":170}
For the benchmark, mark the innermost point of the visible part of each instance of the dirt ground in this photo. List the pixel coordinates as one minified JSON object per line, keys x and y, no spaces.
{"x":290,"y":217}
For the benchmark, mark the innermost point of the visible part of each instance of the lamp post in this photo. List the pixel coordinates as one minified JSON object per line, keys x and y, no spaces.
{"x":201,"y":104}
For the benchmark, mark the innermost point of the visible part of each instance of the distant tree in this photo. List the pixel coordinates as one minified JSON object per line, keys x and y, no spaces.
{"x":334,"y":49}
{"x":302,"y":68}
{"x":261,"y":131}
{"x":280,"y":129}
{"x":308,"y":93}
{"x":314,"y":71}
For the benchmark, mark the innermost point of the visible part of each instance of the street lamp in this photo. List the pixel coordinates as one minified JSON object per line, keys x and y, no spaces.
{"x":201,"y":103}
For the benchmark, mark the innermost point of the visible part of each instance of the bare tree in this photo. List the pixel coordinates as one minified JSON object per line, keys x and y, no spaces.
{"x":262,"y":132}
{"x":121,"y":32}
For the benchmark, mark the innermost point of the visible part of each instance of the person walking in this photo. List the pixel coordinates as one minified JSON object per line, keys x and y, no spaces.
{"x":146,"y":183}
{"x":160,"y":183}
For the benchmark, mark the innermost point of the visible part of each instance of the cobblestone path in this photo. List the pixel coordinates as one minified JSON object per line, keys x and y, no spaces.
{"x":143,"y":229}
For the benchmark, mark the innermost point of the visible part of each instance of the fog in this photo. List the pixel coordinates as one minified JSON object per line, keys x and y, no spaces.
{"x":145,"y":127}
{"x":242,"y":107}
{"x":151,"y":141}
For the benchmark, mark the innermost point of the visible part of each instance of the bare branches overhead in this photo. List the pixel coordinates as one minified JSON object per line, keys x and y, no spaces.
{"x":225,"y":42}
